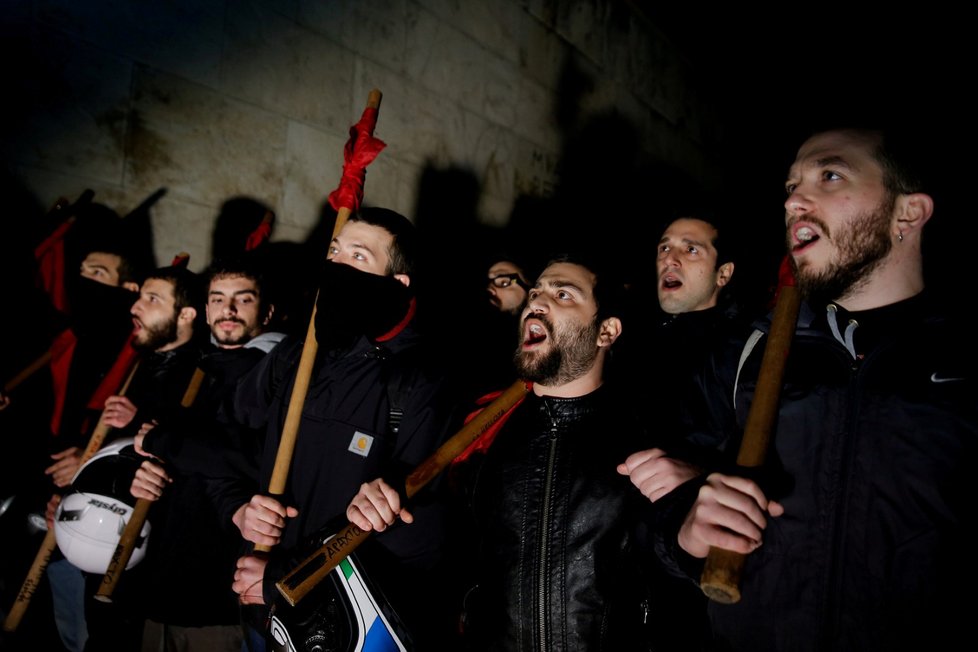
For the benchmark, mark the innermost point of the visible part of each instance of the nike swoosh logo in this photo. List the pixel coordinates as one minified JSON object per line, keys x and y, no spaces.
{"x":934,"y":378}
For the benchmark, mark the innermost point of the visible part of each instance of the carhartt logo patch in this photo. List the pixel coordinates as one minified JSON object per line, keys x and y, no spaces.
{"x":361,"y":443}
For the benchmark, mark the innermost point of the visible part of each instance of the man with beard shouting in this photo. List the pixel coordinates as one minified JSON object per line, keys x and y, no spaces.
{"x":375,"y":407}
{"x":863,"y":509}
{"x":557,"y":565}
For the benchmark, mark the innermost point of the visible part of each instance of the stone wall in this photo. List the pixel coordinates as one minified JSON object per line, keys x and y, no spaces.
{"x":216,"y":99}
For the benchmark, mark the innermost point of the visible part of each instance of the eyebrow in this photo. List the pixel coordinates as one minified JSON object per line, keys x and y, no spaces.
{"x":835,"y":161}
{"x":700,"y":243}
{"x":558,"y":284}
{"x":356,"y":245}
{"x":234,"y":294}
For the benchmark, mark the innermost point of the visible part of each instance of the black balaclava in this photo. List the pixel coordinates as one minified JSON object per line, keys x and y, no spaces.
{"x":352,"y":303}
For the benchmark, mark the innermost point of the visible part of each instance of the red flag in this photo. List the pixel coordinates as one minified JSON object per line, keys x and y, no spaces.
{"x":360,"y":150}
{"x":115,"y":377}
{"x":786,"y":276}
{"x":260,"y":235}
{"x":182,"y":259}
{"x":483,"y":441}
{"x":50,"y":257}
{"x":62,"y":349}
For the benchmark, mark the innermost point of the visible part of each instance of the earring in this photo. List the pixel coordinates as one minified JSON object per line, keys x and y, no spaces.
{"x":900,"y":237}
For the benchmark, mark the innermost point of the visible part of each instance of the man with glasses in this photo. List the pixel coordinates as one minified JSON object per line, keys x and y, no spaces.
{"x":507,"y":286}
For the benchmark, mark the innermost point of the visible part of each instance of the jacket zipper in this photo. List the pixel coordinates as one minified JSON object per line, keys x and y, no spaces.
{"x":543,"y":590}
{"x":829,"y":623}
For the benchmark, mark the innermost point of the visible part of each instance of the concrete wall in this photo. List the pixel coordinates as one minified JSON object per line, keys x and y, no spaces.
{"x":214,"y":99}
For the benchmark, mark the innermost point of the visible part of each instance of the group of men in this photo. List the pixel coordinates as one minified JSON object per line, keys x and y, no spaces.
{"x":581,"y":519}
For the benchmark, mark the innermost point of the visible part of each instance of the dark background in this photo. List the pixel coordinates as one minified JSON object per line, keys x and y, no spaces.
{"x":776,"y":74}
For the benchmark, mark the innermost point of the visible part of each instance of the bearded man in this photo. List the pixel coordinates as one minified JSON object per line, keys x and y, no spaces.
{"x":556,"y":559}
{"x":163,"y":320}
{"x":864,"y":512}
{"x":197,"y":454}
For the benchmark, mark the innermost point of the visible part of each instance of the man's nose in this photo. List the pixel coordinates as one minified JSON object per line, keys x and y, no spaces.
{"x":670,"y":258}
{"x":798,"y":202}
{"x":538,"y":304}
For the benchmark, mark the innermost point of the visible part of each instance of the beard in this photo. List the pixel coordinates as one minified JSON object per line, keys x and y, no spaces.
{"x":570,"y":355}
{"x":233,"y":338}
{"x":155,"y":336}
{"x":861,"y":246}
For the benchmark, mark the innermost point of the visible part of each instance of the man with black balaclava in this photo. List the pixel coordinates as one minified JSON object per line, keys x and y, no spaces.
{"x":374,"y":408}
{"x":82,"y":360}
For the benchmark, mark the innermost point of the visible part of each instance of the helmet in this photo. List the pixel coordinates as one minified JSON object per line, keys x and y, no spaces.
{"x":345,"y":612}
{"x":91,"y":517}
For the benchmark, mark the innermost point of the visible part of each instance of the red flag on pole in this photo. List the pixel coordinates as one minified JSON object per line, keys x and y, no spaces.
{"x":262,"y":232}
{"x":62,"y":350}
{"x":115,"y":377}
{"x":50,"y":257}
{"x":360,"y":150}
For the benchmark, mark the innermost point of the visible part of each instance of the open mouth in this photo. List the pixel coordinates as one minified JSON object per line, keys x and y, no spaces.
{"x":534,"y":333}
{"x":804,"y":236}
{"x":670,"y":282}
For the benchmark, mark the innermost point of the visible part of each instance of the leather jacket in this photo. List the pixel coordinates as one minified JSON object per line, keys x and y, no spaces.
{"x":558,"y":564}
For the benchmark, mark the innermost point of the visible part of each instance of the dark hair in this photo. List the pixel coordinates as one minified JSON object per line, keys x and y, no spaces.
{"x":101,"y":230}
{"x":609,"y":286}
{"x":403,"y":249}
{"x":898,"y":156}
{"x":899,"y":152}
{"x":127,"y":269}
{"x":525,"y":267}
{"x":187,"y":290}
{"x":724,"y":246}
{"x":245,"y":266}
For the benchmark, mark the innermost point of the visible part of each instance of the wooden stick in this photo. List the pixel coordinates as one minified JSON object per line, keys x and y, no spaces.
{"x":286,"y":446}
{"x":720,"y":580}
{"x":134,"y":527}
{"x":36,"y":572}
{"x":27,"y":372}
{"x":308,"y":574}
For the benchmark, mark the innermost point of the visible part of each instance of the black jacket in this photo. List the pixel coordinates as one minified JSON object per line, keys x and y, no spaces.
{"x":159,"y":383}
{"x":347,"y":437}
{"x":559,"y":568}
{"x":190,"y":546}
{"x":875,"y":444}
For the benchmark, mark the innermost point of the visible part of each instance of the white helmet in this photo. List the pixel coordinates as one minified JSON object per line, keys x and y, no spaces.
{"x":91,"y":517}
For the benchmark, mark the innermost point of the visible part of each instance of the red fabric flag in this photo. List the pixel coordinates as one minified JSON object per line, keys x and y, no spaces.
{"x":786,"y":276}
{"x":260,"y":235}
{"x":360,"y":150}
{"x":115,"y":377}
{"x":62,"y":349}
{"x":483,"y":441}
{"x":50,"y":257}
